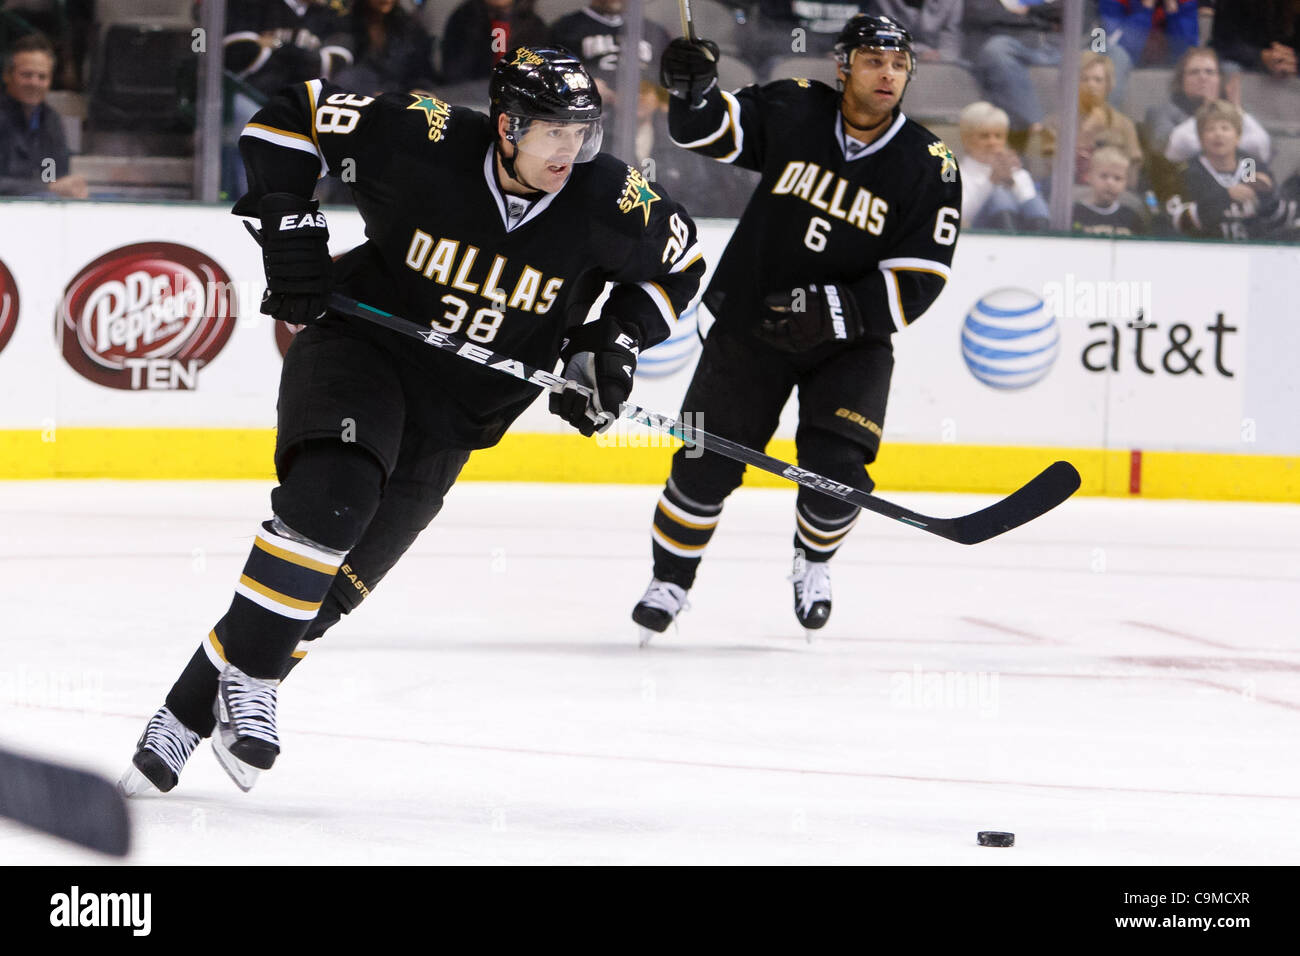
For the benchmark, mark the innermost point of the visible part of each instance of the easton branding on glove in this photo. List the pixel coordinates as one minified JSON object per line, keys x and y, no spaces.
{"x":295,"y":255}
{"x":808,"y":316}
{"x":599,"y":362}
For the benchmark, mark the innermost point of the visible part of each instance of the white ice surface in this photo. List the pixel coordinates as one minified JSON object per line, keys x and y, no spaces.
{"x":1118,"y":682}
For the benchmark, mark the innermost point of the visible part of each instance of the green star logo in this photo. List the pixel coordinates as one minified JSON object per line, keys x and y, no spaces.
{"x":644,"y":197}
{"x":939,"y":150}
{"x":431,"y":106}
{"x":637,"y":194}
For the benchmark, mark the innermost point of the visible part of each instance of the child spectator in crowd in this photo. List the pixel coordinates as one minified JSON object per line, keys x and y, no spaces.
{"x":997,"y":192}
{"x":33,"y":152}
{"x":1102,"y":213}
{"x":1226,"y":193}
{"x":1100,"y":124}
{"x":480,"y":32}
{"x":393,"y":52}
{"x":1259,"y":34}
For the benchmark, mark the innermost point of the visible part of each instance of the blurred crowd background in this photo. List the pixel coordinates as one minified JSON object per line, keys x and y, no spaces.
{"x":1188,"y":118}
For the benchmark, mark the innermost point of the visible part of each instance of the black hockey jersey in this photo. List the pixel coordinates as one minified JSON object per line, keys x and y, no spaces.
{"x":1116,"y":219}
{"x":445,"y":246}
{"x":1203,"y":206}
{"x":596,"y":39}
{"x":883,"y":224}
{"x":305,"y":40}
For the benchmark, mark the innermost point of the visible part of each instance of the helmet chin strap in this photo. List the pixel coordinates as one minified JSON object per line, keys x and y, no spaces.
{"x":508,"y":164}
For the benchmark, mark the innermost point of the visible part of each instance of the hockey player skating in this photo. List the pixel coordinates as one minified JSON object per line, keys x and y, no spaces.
{"x":503,"y":230}
{"x":847,"y":239}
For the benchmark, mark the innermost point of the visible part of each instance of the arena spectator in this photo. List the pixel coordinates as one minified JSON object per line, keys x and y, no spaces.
{"x":997,"y":191}
{"x":1202,"y":82}
{"x":272,"y":43}
{"x":1003,"y":41}
{"x":1226,"y":193}
{"x":480,"y":32}
{"x":393,"y":52}
{"x":818,"y":24}
{"x":1132,"y":24}
{"x":935,"y":26}
{"x":1258,"y":34}
{"x":1102,"y":213}
{"x":595,"y":34}
{"x":1100,"y":124}
{"x":33,"y":152}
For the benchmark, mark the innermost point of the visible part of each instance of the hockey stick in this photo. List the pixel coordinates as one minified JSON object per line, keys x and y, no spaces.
{"x":688,"y":21}
{"x":72,"y":804}
{"x":1052,"y":486}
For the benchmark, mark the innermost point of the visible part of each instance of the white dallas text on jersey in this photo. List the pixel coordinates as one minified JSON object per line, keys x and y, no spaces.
{"x":802,"y":179}
{"x":445,"y":262}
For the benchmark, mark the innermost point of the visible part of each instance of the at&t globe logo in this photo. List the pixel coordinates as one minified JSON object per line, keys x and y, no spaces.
{"x":1009,"y":340}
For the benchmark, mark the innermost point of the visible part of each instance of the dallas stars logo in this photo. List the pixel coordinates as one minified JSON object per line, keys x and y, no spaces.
{"x":526,"y":56}
{"x":637,"y":194}
{"x":939,"y":150}
{"x":435,"y":111}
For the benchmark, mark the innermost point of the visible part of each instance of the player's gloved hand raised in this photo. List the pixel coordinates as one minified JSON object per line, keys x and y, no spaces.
{"x":689,"y":69}
{"x":805,"y":317}
{"x":599,"y":362}
{"x":296,"y":257}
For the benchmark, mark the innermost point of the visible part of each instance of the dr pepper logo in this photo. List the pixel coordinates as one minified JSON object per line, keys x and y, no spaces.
{"x":147,"y":316}
{"x":8,"y":305}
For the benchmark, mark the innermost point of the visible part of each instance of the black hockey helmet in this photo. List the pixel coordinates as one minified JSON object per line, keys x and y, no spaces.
{"x":875,"y":33}
{"x":549,"y":84}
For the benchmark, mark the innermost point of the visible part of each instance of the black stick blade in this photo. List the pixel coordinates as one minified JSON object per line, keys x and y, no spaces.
{"x":1048,"y":489}
{"x":64,"y":802}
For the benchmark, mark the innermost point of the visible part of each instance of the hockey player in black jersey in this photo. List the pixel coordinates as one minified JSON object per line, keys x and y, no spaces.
{"x":848,"y":238}
{"x":501,"y":229}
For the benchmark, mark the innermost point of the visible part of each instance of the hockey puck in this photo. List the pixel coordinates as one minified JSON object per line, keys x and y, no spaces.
{"x":996,"y":838}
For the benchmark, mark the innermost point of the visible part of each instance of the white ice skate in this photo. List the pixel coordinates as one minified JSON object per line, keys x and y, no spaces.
{"x":160,"y":755}
{"x":812,"y":592}
{"x":245,"y":739}
{"x":658,"y":608}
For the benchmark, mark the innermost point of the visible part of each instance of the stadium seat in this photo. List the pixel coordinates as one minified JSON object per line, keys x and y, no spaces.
{"x":1146,"y":88}
{"x":1275,"y":103}
{"x":1046,"y":80}
{"x":733,"y":73}
{"x":809,"y":67}
{"x":134,"y":82}
{"x":158,"y":13}
{"x":713,"y":20}
{"x":939,"y":91}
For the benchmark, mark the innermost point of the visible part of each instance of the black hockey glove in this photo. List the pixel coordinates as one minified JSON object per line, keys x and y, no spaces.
{"x":296,"y":258}
{"x":599,"y":362}
{"x":688,"y":70}
{"x":808,"y":316}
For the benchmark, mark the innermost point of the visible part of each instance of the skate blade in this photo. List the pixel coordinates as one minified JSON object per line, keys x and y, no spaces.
{"x":134,"y":784}
{"x":646,"y":636}
{"x":241,"y":773}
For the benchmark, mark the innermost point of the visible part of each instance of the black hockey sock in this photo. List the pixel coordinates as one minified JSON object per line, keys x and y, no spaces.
{"x":679,"y":533}
{"x":819,"y":535}
{"x":284,"y":583}
{"x":191,"y":697}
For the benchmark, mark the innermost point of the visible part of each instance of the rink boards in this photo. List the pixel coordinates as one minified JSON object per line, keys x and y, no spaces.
{"x":130,"y":346}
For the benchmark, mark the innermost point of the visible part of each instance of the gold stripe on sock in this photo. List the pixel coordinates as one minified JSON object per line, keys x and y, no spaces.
{"x":302,"y":562}
{"x":279,"y":598}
